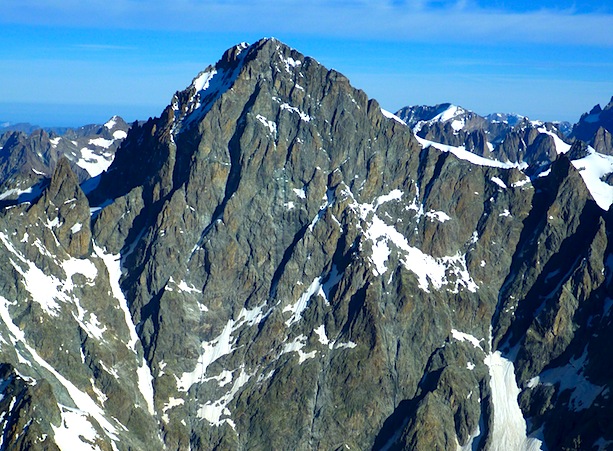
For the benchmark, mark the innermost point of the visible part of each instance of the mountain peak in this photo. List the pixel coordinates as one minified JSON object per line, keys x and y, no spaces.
{"x":276,"y":262}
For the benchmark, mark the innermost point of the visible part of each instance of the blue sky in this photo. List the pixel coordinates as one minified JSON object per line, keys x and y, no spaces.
{"x":71,"y":62}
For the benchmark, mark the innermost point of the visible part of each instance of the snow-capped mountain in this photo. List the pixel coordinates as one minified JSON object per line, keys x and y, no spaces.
{"x":509,"y":138}
{"x":28,"y":160}
{"x":278,"y":263}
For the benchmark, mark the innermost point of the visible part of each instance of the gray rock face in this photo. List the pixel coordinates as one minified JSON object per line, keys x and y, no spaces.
{"x":274,"y":263}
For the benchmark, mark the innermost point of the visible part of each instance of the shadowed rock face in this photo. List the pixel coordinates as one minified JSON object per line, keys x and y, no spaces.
{"x":589,"y":127}
{"x":276,"y":264}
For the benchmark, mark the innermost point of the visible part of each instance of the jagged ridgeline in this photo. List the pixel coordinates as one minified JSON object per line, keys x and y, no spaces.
{"x":277,"y":263}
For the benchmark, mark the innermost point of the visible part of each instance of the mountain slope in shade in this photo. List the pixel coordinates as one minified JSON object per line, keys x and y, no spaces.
{"x":596,"y":127}
{"x":275,"y":263}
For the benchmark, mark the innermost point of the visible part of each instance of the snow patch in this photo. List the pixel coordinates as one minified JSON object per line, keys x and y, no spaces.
{"x":296,"y":346}
{"x":509,"y":426}
{"x":111,"y":123}
{"x":212,"y":411}
{"x":94,"y":163}
{"x":183,"y":286}
{"x":303,"y":116}
{"x":201,"y":83}
{"x":75,"y":432}
{"x":222,"y":345}
{"x":571,"y":377}
{"x":290,"y":62}
{"x":101,"y":142}
{"x":458,"y":124}
{"x":321,"y":333}
{"x":268,"y":124}
{"x":462,"y":336}
{"x":499,"y":182}
{"x":119,"y":134}
{"x":593,"y":168}
{"x":439,"y":216}
{"x":299,"y":193}
{"x":172,"y":403}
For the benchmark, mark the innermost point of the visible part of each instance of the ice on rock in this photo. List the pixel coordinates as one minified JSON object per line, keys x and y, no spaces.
{"x":220,"y":346}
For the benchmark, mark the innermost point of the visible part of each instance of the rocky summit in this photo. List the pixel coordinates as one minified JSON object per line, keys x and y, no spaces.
{"x":278,"y":263}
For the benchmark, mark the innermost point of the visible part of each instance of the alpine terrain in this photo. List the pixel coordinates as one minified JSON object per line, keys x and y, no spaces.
{"x":278,"y":263}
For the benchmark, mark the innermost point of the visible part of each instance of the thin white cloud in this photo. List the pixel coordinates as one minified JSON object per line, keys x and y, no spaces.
{"x":106,"y":47}
{"x":410,"y":20}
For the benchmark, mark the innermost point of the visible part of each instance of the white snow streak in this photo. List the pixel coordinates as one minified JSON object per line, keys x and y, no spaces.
{"x":303,"y":301}
{"x":561,"y":146}
{"x":462,"y":336}
{"x":303,"y":116}
{"x":464,"y":154}
{"x":296,"y":346}
{"x":270,"y":125}
{"x":113,"y":266}
{"x":82,"y":400}
{"x":499,"y":182}
{"x":389,"y":115}
{"x":222,"y":345}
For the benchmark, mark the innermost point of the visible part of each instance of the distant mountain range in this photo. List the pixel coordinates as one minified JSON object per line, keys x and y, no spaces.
{"x":29,"y":159}
{"x":275,"y":262}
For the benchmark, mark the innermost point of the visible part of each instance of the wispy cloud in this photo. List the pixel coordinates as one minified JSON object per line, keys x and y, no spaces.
{"x":409,"y":20}
{"x":109,"y":47}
